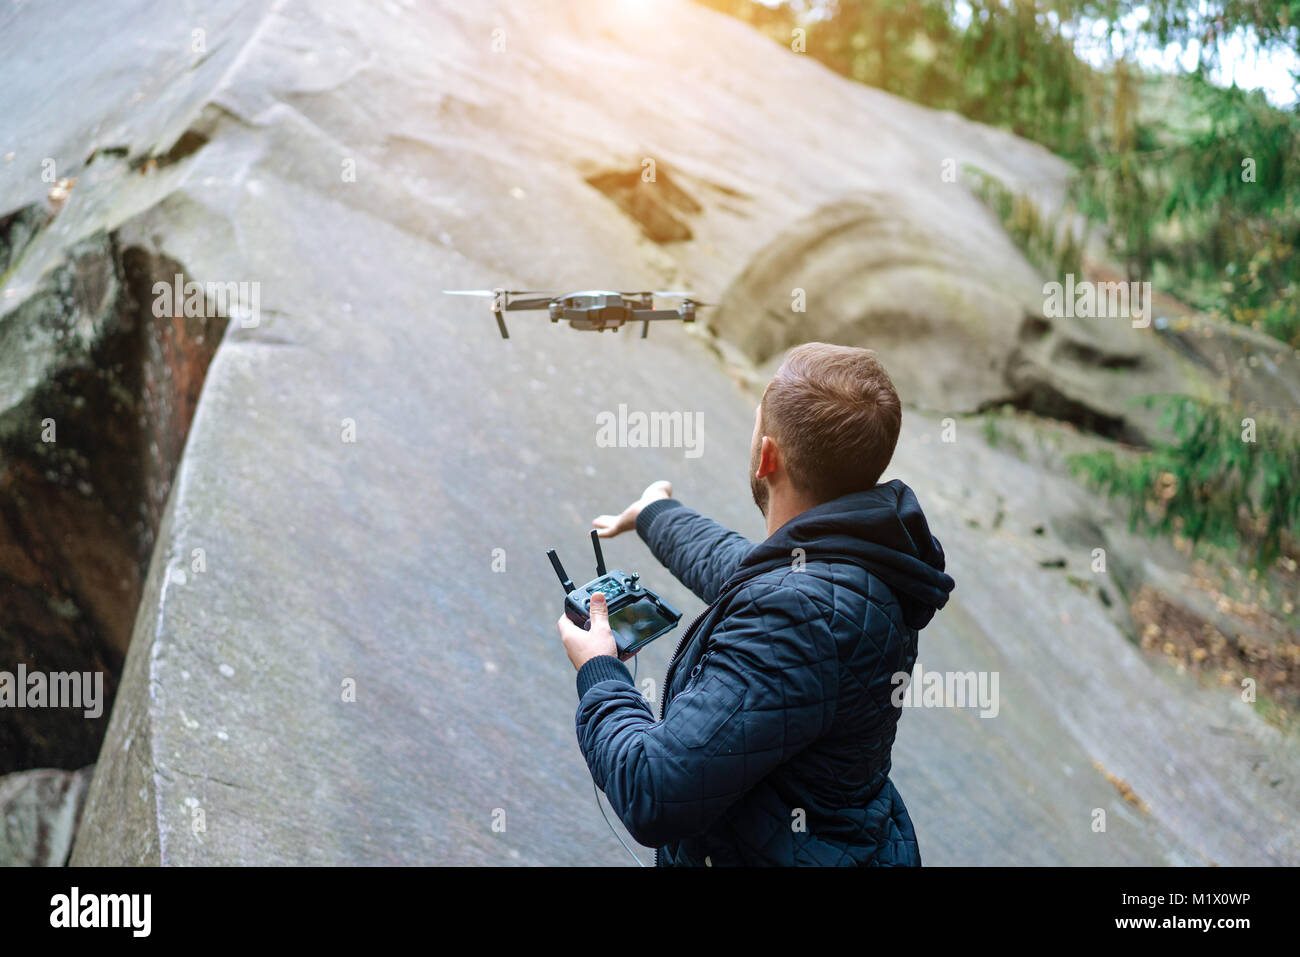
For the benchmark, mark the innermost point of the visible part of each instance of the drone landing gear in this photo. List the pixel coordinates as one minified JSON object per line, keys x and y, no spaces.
{"x":501,"y":323}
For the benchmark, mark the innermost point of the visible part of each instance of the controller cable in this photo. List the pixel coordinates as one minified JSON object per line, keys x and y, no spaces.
{"x":596,"y":791}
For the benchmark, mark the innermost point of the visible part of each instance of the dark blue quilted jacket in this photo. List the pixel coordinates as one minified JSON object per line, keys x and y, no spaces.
{"x":773,"y":743}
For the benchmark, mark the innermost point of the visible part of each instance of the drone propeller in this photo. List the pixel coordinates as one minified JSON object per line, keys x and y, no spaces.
{"x":500,"y":301}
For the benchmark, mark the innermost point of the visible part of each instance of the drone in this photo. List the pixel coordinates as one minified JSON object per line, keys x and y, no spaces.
{"x":591,"y":310}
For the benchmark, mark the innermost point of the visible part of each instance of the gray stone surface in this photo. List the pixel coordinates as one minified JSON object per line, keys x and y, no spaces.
{"x":38,"y":815}
{"x":328,"y":562}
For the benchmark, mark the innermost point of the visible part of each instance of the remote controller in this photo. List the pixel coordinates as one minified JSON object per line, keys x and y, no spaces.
{"x":637,"y":616}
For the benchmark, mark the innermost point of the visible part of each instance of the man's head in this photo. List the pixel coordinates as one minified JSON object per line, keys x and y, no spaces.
{"x":827,"y":426}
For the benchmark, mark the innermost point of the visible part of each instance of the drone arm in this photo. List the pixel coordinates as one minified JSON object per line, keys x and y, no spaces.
{"x":520,"y":304}
{"x":646,"y":316}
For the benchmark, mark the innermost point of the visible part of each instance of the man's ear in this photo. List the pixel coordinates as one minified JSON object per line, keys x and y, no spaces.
{"x":769,"y":457}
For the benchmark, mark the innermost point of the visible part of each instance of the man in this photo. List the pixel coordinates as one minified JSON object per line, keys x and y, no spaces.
{"x":773,"y":745}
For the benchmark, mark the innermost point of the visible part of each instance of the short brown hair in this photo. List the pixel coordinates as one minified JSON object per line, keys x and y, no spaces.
{"x":835,"y":416}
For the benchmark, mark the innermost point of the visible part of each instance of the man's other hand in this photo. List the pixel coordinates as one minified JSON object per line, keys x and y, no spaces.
{"x":607,"y":526}
{"x":584,"y":645}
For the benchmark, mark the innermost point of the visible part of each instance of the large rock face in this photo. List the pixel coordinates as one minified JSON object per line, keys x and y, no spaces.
{"x":345,"y":650}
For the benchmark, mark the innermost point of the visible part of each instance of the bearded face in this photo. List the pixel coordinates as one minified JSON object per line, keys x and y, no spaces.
{"x":757,"y":486}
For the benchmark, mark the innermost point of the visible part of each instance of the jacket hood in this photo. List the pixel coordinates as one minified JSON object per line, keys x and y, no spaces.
{"x":884,"y":530}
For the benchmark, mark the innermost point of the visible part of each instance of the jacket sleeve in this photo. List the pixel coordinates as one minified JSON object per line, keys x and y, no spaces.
{"x":700,"y":553}
{"x":765,"y":690}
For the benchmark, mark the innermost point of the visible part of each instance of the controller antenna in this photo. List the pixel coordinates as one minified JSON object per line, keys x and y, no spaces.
{"x":565,"y":580}
{"x":600,"y":557}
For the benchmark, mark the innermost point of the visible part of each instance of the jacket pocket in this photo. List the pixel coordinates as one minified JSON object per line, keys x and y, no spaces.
{"x":700,"y":713}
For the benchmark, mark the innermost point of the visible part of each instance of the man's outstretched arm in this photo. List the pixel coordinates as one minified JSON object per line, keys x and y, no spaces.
{"x":699,"y":552}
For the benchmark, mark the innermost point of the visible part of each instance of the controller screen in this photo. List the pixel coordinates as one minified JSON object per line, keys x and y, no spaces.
{"x":610,"y":587}
{"x":638,"y":623}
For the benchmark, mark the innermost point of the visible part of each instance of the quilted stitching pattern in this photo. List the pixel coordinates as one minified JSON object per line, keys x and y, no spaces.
{"x":779,"y":702}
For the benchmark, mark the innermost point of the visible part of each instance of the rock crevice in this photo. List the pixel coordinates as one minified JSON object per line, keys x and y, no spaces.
{"x":99,"y":394}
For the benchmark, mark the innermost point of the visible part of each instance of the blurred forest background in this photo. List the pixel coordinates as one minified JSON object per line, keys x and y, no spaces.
{"x":1184,"y":180}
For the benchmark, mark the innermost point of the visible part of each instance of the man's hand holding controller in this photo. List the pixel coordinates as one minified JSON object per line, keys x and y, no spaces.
{"x":583,"y":645}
